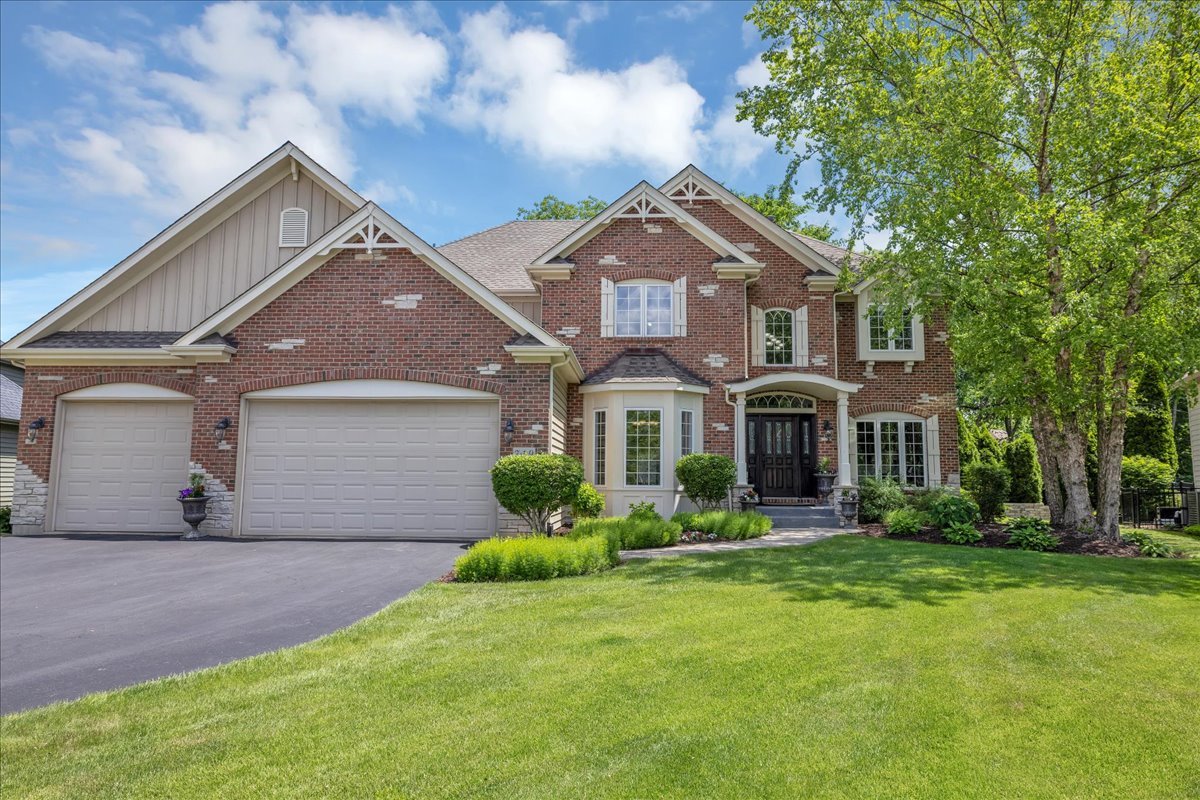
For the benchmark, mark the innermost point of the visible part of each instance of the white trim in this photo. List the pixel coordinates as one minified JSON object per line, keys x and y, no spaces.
{"x":593,"y":438}
{"x":625,"y":386}
{"x":662,"y":440}
{"x":370,"y":389}
{"x":168,"y":355}
{"x":125,"y":391}
{"x":802,"y":379}
{"x":139,"y":258}
{"x":801,"y":395}
{"x":689,"y":429}
{"x":900,"y":418}
{"x":642,"y":333}
{"x":283,"y":226}
{"x":863,"y":335}
{"x":306,"y":262}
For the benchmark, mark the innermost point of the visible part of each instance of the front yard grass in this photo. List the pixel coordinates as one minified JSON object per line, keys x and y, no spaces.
{"x":852,"y":668}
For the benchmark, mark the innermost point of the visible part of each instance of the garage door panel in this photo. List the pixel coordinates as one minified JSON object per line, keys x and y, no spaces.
{"x":121,"y":464}
{"x":382,"y":468}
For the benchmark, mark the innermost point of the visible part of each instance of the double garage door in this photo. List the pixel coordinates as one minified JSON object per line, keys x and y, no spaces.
{"x":310,"y":468}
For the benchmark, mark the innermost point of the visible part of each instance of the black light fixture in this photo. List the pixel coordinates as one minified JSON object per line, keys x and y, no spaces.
{"x":509,"y":429}
{"x":34,"y":427}
{"x":826,"y":426}
{"x":220,"y":428}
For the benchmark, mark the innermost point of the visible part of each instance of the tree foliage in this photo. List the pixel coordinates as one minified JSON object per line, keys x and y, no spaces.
{"x":968,"y":452}
{"x":779,"y":205}
{"x":550,"y":207}
{"x":1020,"y":456}
{"x":1148,"y":429}
{"x":1039,"y":166}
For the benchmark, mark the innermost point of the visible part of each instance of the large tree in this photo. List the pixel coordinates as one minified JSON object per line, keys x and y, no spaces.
{"x":779,"y":204}
{"x":1038,"y":164}
{"x":550,"y":207}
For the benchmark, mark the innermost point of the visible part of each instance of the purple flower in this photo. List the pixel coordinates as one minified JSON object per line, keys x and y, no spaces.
{"x":184,"y":494}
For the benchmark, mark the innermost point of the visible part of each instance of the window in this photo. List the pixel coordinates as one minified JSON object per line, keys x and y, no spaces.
{"x":685,"y":433}
{"x":293,"y":228}
{"x":643,"y":447}
{"x":643,"y":309}
{"x":600,"y":449}
{"x":892,"y":449}
{"x":883,"y":338}
{"x":779,"y":337}
{"x":780,"y":400}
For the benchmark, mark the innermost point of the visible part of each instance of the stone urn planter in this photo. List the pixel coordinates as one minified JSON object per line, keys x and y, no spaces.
{"x":748,"y":500}
{"x":848,"y":507}
{"x":195,"y":511}
{"x":825,"y":484}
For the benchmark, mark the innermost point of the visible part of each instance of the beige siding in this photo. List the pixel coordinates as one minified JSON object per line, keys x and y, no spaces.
{"x":220,"y":265}
{"x":531,"y":309}
{"x":1194,"y":431}
{"x":8,"y":462}
{"x":558,"y":414}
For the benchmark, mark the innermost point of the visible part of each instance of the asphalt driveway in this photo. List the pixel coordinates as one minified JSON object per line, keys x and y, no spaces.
{"x":80,"y":615}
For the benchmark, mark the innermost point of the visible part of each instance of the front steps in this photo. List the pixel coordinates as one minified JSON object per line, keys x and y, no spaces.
{"x":799,"y":517}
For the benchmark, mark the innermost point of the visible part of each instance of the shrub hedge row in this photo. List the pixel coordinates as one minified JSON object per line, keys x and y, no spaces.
{"x":725,"y":524}
{"x":629,"y":533}
{"x":533,"y":558}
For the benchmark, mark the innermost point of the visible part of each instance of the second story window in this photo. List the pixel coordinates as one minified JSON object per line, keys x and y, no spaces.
{"x":885,"y":338}
{"x":644,"y":309}
{"x":779,"y":339}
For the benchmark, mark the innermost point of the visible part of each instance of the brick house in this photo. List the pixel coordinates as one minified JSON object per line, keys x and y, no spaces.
{"x":331,"y":373}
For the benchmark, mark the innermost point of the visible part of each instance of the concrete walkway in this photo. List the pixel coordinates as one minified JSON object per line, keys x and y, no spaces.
{"x":780,"y":538}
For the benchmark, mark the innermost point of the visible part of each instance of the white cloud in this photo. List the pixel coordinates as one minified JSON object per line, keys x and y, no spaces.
{"x":70,"y":54}
{"x":585,"y":14}
{"x":688,"y":10}
{"x":386,"y":192}
{"x":106,"y":168}
{"x":734,"y":145}
{"x":24,"y":300}
{"x":522,"y":88}
{"x":36,"y":247}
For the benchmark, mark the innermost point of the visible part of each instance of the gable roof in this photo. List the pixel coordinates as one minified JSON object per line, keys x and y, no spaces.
{"x":696,"y":185}
{"x":497,"y":257}
{"x":370,"y":228}
{"x":11,"y":394}
{"x":644,"y":202}
{"x":846,"y":259}
{"x":188,"y":227}
{"x":116,"y":339}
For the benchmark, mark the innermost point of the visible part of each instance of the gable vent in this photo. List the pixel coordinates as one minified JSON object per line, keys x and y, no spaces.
{"x":293,"y":228}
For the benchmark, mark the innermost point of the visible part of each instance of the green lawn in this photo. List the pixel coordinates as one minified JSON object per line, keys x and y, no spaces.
{"x":1186,"y":543}
{"x":854,"y":668}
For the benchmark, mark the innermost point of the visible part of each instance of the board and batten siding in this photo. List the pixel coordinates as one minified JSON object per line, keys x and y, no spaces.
{"x":531,"y":309}
{"x":8,"y":461}
{"x":221,"y":264}
{"x":558,"y":414}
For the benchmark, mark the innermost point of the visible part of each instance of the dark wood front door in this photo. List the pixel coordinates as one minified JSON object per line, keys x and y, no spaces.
{"x":780,"y":449}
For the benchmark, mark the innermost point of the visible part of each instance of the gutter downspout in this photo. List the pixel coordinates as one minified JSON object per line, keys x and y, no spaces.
{"x":836,"y":377}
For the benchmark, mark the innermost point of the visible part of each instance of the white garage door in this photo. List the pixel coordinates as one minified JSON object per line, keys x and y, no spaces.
{"x":370,"y":468}
{"x":121,"y":466}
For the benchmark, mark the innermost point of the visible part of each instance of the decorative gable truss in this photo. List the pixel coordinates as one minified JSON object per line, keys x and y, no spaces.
{"x":689,"y":190}
{"x":643,"y":207}
{"x":370,"y":235}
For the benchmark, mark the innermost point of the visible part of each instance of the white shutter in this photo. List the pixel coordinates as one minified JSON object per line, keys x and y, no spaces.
{"x":679,"y":306}
{"x":758,"y":334}
{"x":852,"y":437}
{"x":293,"y":228}
{"x":933,"y":452}
{"x":608,"y":325}
{"x":801,"y":336}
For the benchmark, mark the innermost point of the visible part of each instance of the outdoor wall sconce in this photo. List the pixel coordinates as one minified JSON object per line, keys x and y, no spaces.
{"x":826,"y":430}
{"x":509,"y":429}
{"x":34,"y":427}
{"x":220,"y":428}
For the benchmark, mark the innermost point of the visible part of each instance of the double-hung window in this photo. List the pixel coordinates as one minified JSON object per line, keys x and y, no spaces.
{"x":599,"y":447}
{"x":685,"y":433}
{"x":891,"y":450}
{"x":885,"y":338}
{"x":643,"y":447}
{"x":643,"y":309}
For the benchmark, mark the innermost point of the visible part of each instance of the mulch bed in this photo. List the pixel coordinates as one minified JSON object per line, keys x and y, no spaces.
{"x":995,"y":536}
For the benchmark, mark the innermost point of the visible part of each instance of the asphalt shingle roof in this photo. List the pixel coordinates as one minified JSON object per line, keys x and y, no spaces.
{"x":10,"y":399}
{"x":118,"y":339}
{"x":644,"y":366}
{"x":833,"y":253}
{"x":497,"y":257}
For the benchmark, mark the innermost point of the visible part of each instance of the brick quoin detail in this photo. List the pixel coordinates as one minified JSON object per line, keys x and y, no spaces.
{"x":384,"y":373}
{"x":85,"y":381}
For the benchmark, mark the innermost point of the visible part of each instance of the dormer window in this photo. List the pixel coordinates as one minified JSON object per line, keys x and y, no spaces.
{"x":293,"y":228}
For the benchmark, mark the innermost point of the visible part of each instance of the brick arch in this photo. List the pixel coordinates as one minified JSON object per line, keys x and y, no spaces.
{"x":98,"y":378}
{"x":634,"y":273}
{"x":372,"y":373}
{"x":875,"y":408}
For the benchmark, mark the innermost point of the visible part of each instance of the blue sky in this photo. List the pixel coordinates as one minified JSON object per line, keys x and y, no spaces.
{"x":117,"y":117}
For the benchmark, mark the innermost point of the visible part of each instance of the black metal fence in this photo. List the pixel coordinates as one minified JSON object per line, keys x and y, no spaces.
{"x":1156,"y":508}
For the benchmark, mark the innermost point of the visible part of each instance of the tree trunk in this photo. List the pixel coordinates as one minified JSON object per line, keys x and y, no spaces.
{"x":1111,"y":415}
{"x":1062,"y":453}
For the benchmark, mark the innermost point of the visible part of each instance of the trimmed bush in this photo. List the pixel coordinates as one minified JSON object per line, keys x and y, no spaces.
{"x":1031,"y":533}
{"x":988,"y":446}
{"x":968,"y":452}
{"x":588,"y":502}
{"x":535,"y":487}
{"x":1149,"y":546}
{"x":961,"y":533}
{"x":1192,"y":530}
{"x":629,"y":533}
{"x":988,"y":484}
{"x":876,"y":498}
{"x":1020,"y":456}
{"x":533,"y":558}
{"x":735,"y":525}
{"x":706,"y":478}
{"x":1143,"y":472}
{"x":953,"y":509}
{"x":645,"y":511}
{"x":904,"y":522}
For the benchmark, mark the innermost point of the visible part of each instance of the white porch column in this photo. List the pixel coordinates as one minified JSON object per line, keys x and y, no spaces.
{"x":843,"y":438}
{"x":739,"y":438}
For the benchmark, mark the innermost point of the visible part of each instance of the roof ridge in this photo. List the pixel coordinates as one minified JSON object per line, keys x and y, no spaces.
{"x":504,"y":225}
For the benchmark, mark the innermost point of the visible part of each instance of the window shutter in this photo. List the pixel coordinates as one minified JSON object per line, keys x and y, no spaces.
{"x":293,"y":228}
{"x":853,"y":439}
{"x":607,"y":304}
{"x":758,"y":335}
{"x":801,"y":336}
{"x":933,"y":452}
{"x":679,"y":306}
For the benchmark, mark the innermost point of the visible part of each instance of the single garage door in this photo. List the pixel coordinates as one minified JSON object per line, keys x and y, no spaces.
{"x":121,"y":466}
{"x":370,"y":468}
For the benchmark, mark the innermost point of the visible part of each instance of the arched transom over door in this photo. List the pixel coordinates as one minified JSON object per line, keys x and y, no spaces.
{"x":369,"y":458}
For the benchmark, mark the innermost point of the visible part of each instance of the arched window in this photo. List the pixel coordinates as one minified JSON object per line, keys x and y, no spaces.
{"x":293,"y":228}
{"x":780,"y":401}
{"x":779,"y":328}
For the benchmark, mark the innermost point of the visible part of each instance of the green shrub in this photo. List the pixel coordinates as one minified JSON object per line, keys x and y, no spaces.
{"x":1020,"y":456}
{"x":644,"y":510}
{"x":588,"y":502}
{"x":968,"y":452}
{"x":1143,"y":472}
{"x":535,"y":487}
{"x":533,"y":558}
{"x":922,"y":499}
{"x":1030,"y":533}
{"x":876,"y":498}
{"x":706,"y":478}
{"x":953,"y":509}
{"x":630,"y":533}
{"x":961,"y":533}
{"x":988,"y":484}
{"x":1148,"y":545}
{"x":725,"y":524}
{"x":1148,"y":427}
{"x":904,"y":522}
{"x":988,"y":446}
{"x":1192,"y":530}
{"x":5,"y":519}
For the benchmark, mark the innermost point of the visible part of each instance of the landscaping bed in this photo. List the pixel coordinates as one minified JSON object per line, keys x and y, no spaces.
{"x":996,"y":535}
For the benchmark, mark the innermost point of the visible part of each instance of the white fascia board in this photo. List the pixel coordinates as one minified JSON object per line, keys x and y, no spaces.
{"x":536,"y":354}
{"x":752,"y":217}
{"x":807,"y":381}
{"x":101,"y":356}
{"x":642,"y":386}
{"x":128,"y":268}
{"x":685,"y":220}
